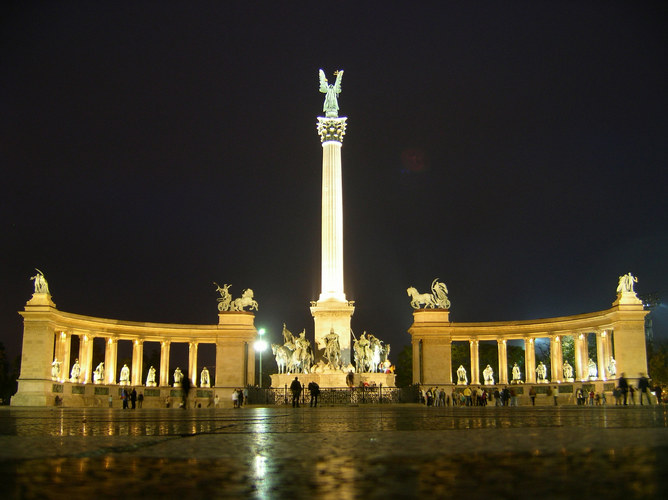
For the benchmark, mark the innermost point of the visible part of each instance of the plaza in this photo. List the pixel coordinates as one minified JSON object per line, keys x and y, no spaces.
{"x":378,"y":451}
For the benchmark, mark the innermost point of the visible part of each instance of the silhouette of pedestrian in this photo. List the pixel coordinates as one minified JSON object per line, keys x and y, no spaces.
{"x":296,"y":389}
{"x":185,"y":389}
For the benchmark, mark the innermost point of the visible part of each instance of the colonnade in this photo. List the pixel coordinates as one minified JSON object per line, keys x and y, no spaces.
{"x":48,"y":333}
{"x":619,"y":332}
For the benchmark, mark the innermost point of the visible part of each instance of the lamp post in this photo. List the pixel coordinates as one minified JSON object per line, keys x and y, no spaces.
{"x":260,"y":346}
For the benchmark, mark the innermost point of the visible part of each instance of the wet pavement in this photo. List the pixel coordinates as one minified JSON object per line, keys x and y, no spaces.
{"x":393,"y":451}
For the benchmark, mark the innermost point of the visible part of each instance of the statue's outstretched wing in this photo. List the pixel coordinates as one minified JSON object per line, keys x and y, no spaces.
{"x":323,"y":82}
{"x":337,"y":85}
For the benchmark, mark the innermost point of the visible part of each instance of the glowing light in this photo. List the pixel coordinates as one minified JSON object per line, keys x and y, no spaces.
{"x":260,"y":345}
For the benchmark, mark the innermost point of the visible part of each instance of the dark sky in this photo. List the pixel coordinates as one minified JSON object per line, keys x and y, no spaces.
{"x":515,"y":150}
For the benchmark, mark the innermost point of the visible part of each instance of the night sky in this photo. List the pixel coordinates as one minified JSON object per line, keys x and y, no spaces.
{"x":515,"y":150}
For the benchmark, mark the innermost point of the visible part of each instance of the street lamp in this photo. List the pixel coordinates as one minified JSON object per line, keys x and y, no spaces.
{"x":260,"y":346}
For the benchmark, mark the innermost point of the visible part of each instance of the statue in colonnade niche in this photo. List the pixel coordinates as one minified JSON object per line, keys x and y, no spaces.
{"x":462,"y":379}
{"x":41,"y":285}
{"x":55,"y":370}
{"x":225,"y":298}
{"x":626,"y":283}
{"x":592,"y":370}
{"x":331,"y":104}
{"x":204,"y":378}
{"x":568,"y":372}
{"x":98,"y":374}
{"x":541,"y":373}
{"x":76,"y":371}
{"x":488,"y":375}
{"x":438,"y":299}
{"x":178,"y":377}
{"x":612,"y":367}
{"x":332,"y":349}
{"x":517,"y":374}
{"x":124,"y":379}
{"x":150,"y":378}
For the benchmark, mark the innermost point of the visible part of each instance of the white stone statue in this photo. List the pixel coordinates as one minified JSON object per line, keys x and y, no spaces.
{"x":178,"y":377}
{"x":438,"y":299}
{"x":55,"y":370}
{"x":302,"y":356}
{"x":204,"y":378}
{"x":225,"y":299}
{"x":75,"y":372}
{"x":568,"y":372}
{"x":283,"y":356}
{"x":517,"y":374}
{"x":462,"y":379}
{"x":331,"y":105}
{"x":246,"y":300}
{"x":593,"y":371}
{"x":41,"y":286}
{"x":541,"y":373}
{"x":332,"y":349}
{"x":626,"y":283}
{"x":150,"y":378}
{"x":363,"y":353}
{"x":488,"y":375}
{"x":98,"y":374}
{"x":612,"y":367}
{"x":125,"y":375}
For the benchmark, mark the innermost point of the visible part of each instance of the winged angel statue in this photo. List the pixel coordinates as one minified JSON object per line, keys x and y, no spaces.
{"x":331,"y":106}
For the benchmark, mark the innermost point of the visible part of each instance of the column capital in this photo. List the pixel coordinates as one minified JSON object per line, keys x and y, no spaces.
{"x":331,"y":129}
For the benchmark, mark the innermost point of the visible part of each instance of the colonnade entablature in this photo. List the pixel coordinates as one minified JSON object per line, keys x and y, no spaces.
{"x":619,"y":335}
{"x":47,"y":357}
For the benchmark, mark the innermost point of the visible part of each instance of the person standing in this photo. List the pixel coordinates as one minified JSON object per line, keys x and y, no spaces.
{"x":314,"y":390}
{"x":133,"y":398}
{"x":624,"y":387}
{"x":124,"y":398}
{"x":296,"y":390}
{"x":140,"y":399}
{"x":235,"y":398}
{"x":532,"y":395}
{"x":643,"y":388}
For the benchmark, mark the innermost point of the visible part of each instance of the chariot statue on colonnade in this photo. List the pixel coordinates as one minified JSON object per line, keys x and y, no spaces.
{"x":438,"y":299}
{"x":41,"y":285}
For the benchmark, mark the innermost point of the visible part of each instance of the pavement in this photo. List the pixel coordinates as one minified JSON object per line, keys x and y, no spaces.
{"x":382,"y":451}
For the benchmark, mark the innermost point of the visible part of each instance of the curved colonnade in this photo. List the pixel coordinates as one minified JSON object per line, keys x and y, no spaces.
{"x":620,"y":332}
{"x":47,"y":336}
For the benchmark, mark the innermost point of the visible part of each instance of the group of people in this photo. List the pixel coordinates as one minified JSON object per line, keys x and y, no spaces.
{"x":131,"y":399}
{"x":238,"y":397}
{"x":296,"y":389}
{"x":626,"y":392}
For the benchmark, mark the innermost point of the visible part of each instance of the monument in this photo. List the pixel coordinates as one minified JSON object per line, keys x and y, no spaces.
{"x":332,"y":311}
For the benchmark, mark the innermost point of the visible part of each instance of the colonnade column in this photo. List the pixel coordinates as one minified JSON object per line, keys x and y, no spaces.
{"x":86,"y":358}
{"x":556,"y":359}
{"x":110,"y":355}
{"x":137,"y":361}
{"x":606,"y":347}
{"x":503,"y":361}
{"x":192,"y":363}
{"x":63,"y":345}
{"x":164,"y":362}
{"x":530,"y":360}
{"x":475,"y":362}
{"x":581,"y":368}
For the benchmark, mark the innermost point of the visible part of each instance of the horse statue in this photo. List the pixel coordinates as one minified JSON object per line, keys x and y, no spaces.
{"x":363,"y":353}
{"x":438,"y":299}
{"x":301,"y":360}
{"x":246,"y":300}
{"x":282,"y":355}
{"x":375,"y":347}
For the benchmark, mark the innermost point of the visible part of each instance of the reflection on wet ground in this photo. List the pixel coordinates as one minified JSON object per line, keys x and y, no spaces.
{"x":341,"y":452}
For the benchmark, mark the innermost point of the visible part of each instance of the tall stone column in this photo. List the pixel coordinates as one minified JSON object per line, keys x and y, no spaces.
{"x":475,"y":362}
{"x":332,"y":310}
{"x":137,"y":361}
{"x":63,"y":346}
{"x":606,"y":347}
{"x":503,"y":361}
{"x":192,"y":363}
{"x":86,"y":357}
{"x":530,"y":360}
{"x":432,"y":364}
{"x":164,"y":362}
{"x":581,"y":357}
{"x":110,"y":360}
{"x":556,"y":359}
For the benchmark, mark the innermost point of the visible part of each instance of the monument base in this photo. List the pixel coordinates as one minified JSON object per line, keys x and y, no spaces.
{"x":332,"y":380}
